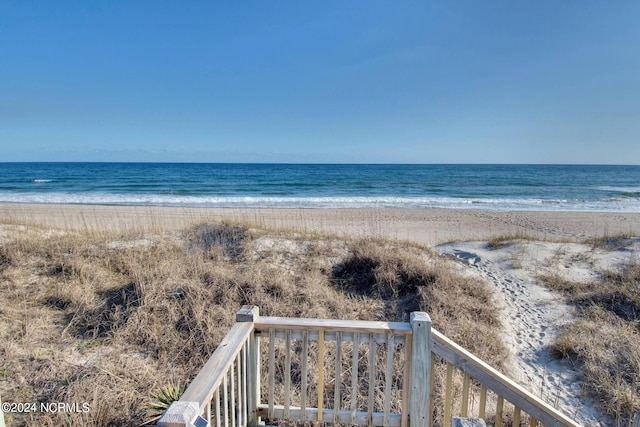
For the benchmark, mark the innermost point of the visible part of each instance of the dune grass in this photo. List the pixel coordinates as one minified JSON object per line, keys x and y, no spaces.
{"x":114,"y":318}
{"x":604,"y":341}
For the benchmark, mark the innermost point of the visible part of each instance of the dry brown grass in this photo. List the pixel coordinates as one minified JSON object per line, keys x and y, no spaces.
{"x":605,"y":339}
{"x":110,"y":319}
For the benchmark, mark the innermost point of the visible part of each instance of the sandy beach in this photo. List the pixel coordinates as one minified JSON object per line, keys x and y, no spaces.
{"x":424,"y":226}
{"x":531,"y":314}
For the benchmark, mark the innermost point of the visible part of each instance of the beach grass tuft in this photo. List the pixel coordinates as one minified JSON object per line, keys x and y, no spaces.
{"x":604,"y":340}
{"x":500,"y":241}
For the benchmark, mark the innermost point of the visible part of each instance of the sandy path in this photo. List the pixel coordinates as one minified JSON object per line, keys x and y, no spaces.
{"x":532,"y":314}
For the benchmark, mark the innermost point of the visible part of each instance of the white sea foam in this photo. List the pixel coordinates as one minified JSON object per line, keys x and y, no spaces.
{"x":630,"y":190}
{"x":608,"y":205}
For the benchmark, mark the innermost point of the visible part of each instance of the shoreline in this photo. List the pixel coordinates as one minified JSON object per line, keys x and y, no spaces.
{"x":426,"y":226}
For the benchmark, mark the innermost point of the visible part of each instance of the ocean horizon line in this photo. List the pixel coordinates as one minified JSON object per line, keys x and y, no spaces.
{"x":310,"y":163}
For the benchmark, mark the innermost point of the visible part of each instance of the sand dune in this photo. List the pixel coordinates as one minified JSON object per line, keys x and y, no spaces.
{"x":530,"y":313}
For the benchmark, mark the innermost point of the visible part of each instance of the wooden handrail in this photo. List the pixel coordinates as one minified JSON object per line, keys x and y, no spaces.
{"x":331,"y":325}
{"x":499,"y":383}
{"x":210,"y":376}
{"x":240,"y":350}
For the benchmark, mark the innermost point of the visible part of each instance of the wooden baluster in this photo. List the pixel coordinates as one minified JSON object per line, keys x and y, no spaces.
{"x":482,"y":412}
{"x":406,"y":382}
{"x":516,"y":417}
{"x":287,"y":374}
{"x":233,"y":395}
{"x":225,"y":400}
{"x":447,"y":395}
{"x":320,"y":373}
{"x":432,"y":383}
{"x":245,"y":402}
{"x":303,"y":385}
{"x":465,"y":396}
{"x":354,"y":377}
{"x":217,"y":398}
{"x":388,"y":378}
{"x":372,"y":377}
{"x":499,"y":410}
{"x":338,"y":376}
{"x":272,"y":369}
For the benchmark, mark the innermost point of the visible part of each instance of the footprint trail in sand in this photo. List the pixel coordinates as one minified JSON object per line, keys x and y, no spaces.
{"x":531,"y":314}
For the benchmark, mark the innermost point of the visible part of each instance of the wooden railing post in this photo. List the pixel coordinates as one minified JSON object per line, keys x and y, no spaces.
{"x":179,"y":414}
{"x":249,"y":313}
{"x":419,"y":392}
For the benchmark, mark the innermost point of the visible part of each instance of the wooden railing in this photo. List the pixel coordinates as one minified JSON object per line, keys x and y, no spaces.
{"x":350,"y":372}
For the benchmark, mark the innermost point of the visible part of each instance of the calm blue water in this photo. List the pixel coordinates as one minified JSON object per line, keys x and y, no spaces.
{"x":494,"y":187}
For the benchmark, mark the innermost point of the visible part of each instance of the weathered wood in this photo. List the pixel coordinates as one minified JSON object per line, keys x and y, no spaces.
{"x":233,"y":395}
{"x":251,"y":376}
{"x":179,"y":414}
{"x":482,"y":410}
{"x":272,"y":370}
{"x":343,"y":416}
{"x":448,"y":391}
{"x":533,"y":422}
{"x":225,"y":401}
{"x":432,"y":383}
{"x":466,"y":383}
{"x":354,"y":377}
{"x":420,"y":370}
{"x":499,"y":383}
{"x":388,"y":379}
{"x":210,"y":376}
{"x":245,"y":405}
{"x":303,"y":384}
{"x":372,"y":380}
{"x":406,"y":383}
{"x":253,"y":379}
{"x":237,"y":360}
{"x":217,"y":399}
{"x":636,"y":420}
{"x":320,"y":374}
{"x":468,"y":422}
{"x":347,"y":336}
{"x":516,"y":417}
{"x":331,"y":325}
{"x":338,"y":376}
{"x":287,"y":374}
{"x":499,"y":410}
{"x":248,"y":313}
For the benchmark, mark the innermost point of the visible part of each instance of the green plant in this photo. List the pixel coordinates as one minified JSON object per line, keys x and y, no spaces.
{"x":86,"y":345}
{"x":162,"y":399}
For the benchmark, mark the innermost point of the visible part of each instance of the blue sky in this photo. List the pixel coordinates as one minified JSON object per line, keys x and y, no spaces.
{"x":325,"y":81}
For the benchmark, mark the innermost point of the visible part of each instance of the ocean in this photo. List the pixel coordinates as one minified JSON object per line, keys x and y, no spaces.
{"x":491,"y":187}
